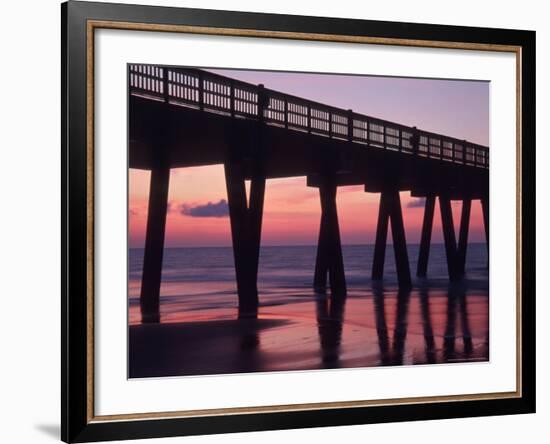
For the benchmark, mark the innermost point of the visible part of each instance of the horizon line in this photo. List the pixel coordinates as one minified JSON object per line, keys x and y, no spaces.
{"x":291,"y":246}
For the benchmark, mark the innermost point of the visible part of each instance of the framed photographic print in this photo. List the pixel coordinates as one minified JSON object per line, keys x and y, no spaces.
{"x":276,"y":221}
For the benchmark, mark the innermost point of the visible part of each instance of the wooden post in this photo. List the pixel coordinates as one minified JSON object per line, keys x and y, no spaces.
{"x":165,"y":84}
{"x":390,"y":208}
{"x":255,"y":215}
{"x":246,"y":225}
{"x":485,"y":210}
{"x":329,"y":250}
{"x":336,"y":268}
{"x":463,"y":235}
{"x":263,"y":103}
{"x":154,"y":245}
{"x":399,"y":241}
{"x":449,"y":236}
{"x":236,"y":199}
{"x":321,"y":262}
{"x":350,"y":125}
{"x":381,"y":239}
{"x":232,"y":97}
{"x":201,"y":92}
{"x":425,"y":241}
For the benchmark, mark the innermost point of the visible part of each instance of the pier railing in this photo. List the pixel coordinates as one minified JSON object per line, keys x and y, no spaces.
{"x":214,"y":93}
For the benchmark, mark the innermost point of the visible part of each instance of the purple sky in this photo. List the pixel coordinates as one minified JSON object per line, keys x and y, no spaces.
{"x":456,"y":108}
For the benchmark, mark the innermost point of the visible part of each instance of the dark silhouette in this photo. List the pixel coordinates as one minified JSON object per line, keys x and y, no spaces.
{"x":427,"y":325}
{"x":391,"y":355}
{"x":182,"y":117}
{"x":330,"y":321}
{"x":456,"y":307}
{"x":390,"y":209}
{"x":415,"y":140}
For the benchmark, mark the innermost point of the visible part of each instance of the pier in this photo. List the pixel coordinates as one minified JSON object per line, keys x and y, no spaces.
{"x":184,"y":117}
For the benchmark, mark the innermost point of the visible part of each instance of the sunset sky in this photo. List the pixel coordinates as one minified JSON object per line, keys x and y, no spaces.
{"x":197,"y":198}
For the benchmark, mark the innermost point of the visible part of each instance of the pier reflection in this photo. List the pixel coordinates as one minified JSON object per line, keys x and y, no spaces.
{"x":457,"y":307}
{"x":429,"y":339}
{"x":391,"y":355}
{"x":330,"y":320}
{"x":376,"y":327}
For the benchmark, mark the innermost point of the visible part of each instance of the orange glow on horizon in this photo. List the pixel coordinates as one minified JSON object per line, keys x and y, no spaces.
{"x":291,"y":212}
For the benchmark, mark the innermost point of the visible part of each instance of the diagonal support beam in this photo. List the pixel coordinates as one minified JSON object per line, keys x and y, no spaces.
{"x":322,"y":260}
{"x":485,"y":209}
{"x":246,"y":227}
{"x":456,"y":254}
{"x":425,"y":241}
{"x":399,"y":241}
{"x":381,"y":239}
{"x":390,"y":210}
{"x":463,"y":235}
{"x":329,"y":250}
{"x":255,"y":216}
{"x":449,"y":237}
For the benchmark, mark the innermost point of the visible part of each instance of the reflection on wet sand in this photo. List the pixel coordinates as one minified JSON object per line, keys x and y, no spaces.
{"x":330,"y":320}
{"x":427,"y":325}
{"x":373,"y":327}
{"x":393,"y":355}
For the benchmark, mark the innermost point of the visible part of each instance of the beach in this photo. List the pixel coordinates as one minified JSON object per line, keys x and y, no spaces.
{"x":296,"y":329}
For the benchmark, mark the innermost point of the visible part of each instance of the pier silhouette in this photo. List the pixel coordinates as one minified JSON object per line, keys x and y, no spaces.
{"x":184,"y":117}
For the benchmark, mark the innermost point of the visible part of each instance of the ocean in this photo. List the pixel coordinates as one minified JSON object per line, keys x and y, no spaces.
{"x":297,"y":329}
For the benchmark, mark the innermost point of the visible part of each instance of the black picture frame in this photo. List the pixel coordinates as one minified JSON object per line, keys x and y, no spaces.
{"x":76,"y":423}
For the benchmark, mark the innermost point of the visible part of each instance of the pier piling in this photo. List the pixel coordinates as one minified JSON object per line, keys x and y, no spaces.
{"x":485,"y":209}
{"x":329,"y":250}
{"x":449,"y":236}
{"x":390,"y":210}
{"x":154,"y":245}
{"x":246,"y":226}
{"x":381,"y":239}
{"x":425,"y":241}
{"x":321,"y":262}
{"x":463,"y":235}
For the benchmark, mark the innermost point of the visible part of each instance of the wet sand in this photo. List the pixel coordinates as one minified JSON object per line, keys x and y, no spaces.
{"x":305,"y":331}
